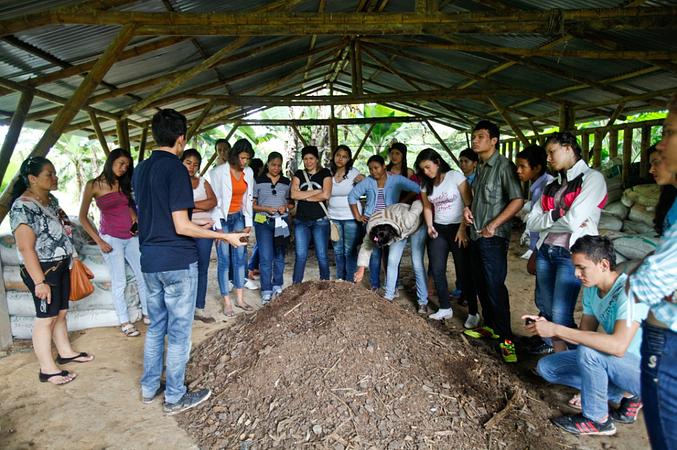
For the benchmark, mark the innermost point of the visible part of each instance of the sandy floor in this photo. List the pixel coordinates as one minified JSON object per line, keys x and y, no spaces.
{"x":102,"y":408}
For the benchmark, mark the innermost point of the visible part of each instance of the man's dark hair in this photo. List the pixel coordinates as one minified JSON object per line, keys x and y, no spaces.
{"x":376,"y":158}
{"x":221,"y":141}
{"x":468,"y":153}
{"x":596,"y":248}
{"x":491,"y":127}
{"x":382,"y":235}
{"x":168,"y":125}
{"x":240,"y":146}
{"x":256,"y":165}
{"x":565,"y":138}
{"x":535,"y":155}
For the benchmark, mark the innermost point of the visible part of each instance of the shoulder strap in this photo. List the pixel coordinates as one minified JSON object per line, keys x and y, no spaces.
{"x":324,"y":208}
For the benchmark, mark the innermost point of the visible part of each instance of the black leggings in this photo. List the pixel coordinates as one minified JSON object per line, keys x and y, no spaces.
{"x":438,"y":253}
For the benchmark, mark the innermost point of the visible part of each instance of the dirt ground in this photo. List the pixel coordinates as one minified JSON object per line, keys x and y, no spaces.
{"x":102,"y":407}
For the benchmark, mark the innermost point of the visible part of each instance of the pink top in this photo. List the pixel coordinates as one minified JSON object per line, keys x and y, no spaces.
{"x":116,"y":219}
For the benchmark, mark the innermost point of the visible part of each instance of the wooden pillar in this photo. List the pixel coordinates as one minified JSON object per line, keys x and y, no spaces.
{"x":613,"y":144}
{"x":15,"y":125}
{"x":567,"y":118}
{"x":627,"y":153}
{"x":511,"y":148}
{"x":333,"y":129}
{"x":597,"y":150}
{"x":585,"y":145}
{"x":643,"y":155}
{"x":356,"y":67}
{"x":99,"y":132}
{"x":5,"y":325}
{"x":122,"y":127}
{"x":71,"y":108}
{"x":142,"y":143}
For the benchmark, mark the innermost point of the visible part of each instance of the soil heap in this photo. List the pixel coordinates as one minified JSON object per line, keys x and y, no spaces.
{"x":331,"y":365}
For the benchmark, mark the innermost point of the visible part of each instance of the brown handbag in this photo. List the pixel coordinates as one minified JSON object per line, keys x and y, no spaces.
{"x":81,"y":287}
{"x":531,"y":263}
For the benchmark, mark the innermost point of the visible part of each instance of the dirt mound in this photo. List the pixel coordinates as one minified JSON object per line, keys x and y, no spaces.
{"x":332,"y":365}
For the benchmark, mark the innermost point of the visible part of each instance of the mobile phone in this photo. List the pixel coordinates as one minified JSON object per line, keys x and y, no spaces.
{"x":134,"y":228}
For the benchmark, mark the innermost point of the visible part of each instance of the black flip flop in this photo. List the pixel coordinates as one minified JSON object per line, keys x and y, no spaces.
{"x":45,"y":377}
{"x":60,"y":360}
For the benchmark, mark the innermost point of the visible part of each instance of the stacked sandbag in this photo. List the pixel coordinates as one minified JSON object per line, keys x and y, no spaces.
{"x":95,"y":310}
{"x":641,"y":201}
{"x":612,"y":170}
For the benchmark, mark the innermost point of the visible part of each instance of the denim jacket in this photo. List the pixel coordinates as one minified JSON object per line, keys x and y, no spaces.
{"x":392,"y":189}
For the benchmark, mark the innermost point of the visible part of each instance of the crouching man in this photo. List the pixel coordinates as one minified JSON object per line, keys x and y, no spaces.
{"x":606,"y":365}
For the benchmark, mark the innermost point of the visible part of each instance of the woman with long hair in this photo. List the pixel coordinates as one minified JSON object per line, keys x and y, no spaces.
{"x":344,"y":177}
{"x":445,"y":192}
{"x":205,"y":200}
{"x":44,"y":242}
{"x":666,"y":209}
{"x":271,"y":223}
{"x":233,"y":184}
{"x":116,"y":237}
{"x":311,"y":187}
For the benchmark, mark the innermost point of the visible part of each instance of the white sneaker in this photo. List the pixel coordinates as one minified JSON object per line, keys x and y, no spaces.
{"x":397,"y":293}
{"x":441,"y":314}
{"x":251,"y":284}
{"x":527,"y":254}
{"x":473,"y":321}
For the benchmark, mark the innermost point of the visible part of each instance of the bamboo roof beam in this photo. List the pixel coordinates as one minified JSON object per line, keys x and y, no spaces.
{"x":364,"y":140}
{"x":506,"y":117}
{"x":253,"y":24}
{"x":12,"y":136}
{"x":143,"y":142}
{"x":99,"y":133}
{"x":356,"y":66}
{"x":216,"y":154}
{"x":196,"y":123}
{"x":442,"y":143}
{"x":71,"y":108}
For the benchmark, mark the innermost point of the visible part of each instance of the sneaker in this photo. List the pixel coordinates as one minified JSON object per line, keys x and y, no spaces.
{"x":540,"y":349}
{"x":441,"y":314}
{"x":251,"y":285}
{"x":397,"y":293}
{"x":148,"y":400}
{"x":628,"y":410}
{"x":188,"y":401}
{"x":202,"y":316}
{"x":277,"y":290}
{"x":265,"y":299}
{"x":481,"y":333}
{"x":423,"y":309}
{"x":508,"y":351}
{"x":456,"y":293}
{"x":473,"y":321}
{"x":527,"y":254}
{"x":578,"y":424}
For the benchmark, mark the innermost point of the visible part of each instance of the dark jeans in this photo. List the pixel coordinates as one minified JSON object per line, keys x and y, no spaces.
{"x":204,"y":253}
{"x":304,"y":230}
{"x":254,"y":258}
{"x":439,"y":254}
{"x":659,"y":386}
{"x":489,"y":267}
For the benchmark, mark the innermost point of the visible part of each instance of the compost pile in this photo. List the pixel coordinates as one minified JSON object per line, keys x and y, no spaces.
{"x":331,"y":365}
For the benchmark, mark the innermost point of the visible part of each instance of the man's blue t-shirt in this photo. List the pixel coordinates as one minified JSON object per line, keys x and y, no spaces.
{"x":612,"y":308}
{"x":162,"y":186}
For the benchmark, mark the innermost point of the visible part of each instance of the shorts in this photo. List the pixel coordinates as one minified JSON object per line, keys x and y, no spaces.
{"x":58,"y":277}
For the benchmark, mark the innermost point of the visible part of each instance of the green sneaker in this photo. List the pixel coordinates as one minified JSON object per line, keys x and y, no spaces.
{"x":481,"y":333}
{"x":508,"y":351}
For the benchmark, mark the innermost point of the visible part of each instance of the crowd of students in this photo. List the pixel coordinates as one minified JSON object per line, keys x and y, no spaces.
{"x":371,"y":218}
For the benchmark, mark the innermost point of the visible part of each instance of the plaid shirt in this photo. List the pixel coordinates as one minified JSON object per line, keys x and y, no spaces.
{"x":655,"y":280}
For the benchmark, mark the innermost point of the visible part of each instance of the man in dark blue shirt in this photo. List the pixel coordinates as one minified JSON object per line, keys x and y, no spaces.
{"x":164,"y":198}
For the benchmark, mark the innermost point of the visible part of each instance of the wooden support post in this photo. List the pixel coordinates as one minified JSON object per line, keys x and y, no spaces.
{"x":536,"y":139}
{"x":211,"y":160}
{"x":585,"y":146}
{"x":506,"y":116}
{"x":123,"y":133}
{"x":356,"y":67}
{"x":142,"y":143}
{"x":627,"y":154}
{"x":364,"y":141}
{"x":644,"y":157}
{"x":511,"y":149}
{"x":299,"y":135}
{"x":441,"y":141}
{"x":99,"y":132}
{"x":73,"y":105}
{"x":613,"y":144}
{"x":196,"y":123}
{"x":597,"y":149}
{"x":12,"y":136}
{"x":567,"y":117}
{"x":5,"y":325}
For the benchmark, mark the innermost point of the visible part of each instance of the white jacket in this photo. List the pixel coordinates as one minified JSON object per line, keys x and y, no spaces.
{"x":219,"y":178}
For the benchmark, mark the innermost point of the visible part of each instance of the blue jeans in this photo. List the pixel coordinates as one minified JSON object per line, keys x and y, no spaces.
{"x":204,"y":253}
{"x":659,"y":386}
{"x":124,"y":250}
{"x":556,"y":285}
{"x":345,"y":249}
{"x":171,"y":306}
{"x":227,"y":256}
{"x":303,"y":231}
{"x":418,"y":241}
{"x":254,"y":258}
{"x":600,"y":377}
{"x":271,"y":257}
{"x":395,"y":251}
{"x":489,"y":267}
{"x":375,"y":267}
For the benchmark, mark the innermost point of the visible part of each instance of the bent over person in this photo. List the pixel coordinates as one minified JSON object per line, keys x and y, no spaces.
{"x":164,"y":197}
{"x":605,"y":366}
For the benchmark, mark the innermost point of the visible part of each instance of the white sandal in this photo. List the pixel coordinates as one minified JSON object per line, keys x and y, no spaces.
{"x":129,"y":330}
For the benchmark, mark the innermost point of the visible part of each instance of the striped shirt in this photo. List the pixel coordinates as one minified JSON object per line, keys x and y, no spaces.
{"x":655,"y":280}
{"x":380,"y":200}
{"x":272,"y":195}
